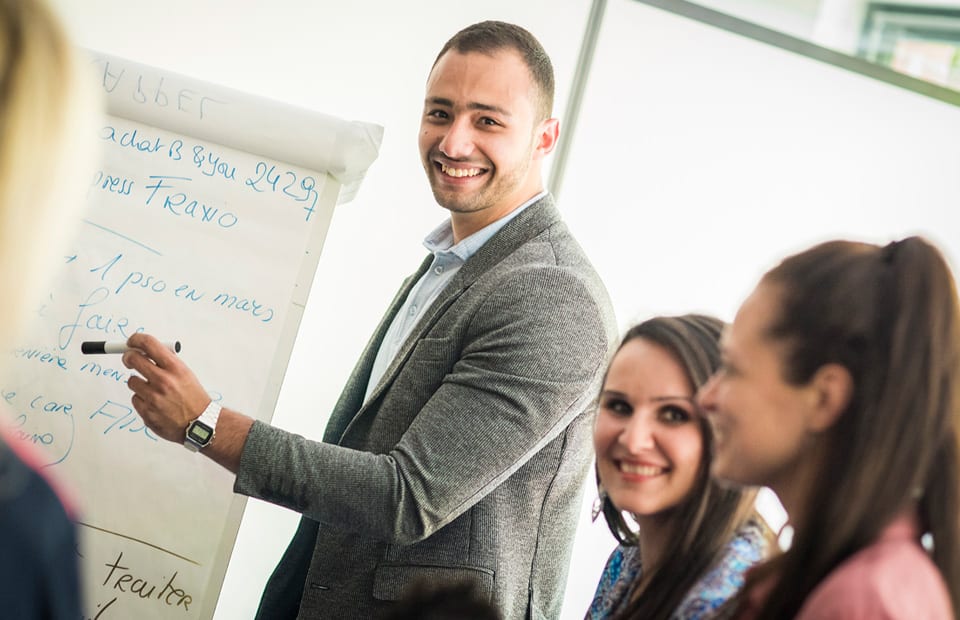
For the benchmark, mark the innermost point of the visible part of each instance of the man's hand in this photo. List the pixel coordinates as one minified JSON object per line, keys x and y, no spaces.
{"x":167,"y":395}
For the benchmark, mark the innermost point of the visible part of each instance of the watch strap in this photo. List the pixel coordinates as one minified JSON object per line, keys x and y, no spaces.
{"x":209,"y":419}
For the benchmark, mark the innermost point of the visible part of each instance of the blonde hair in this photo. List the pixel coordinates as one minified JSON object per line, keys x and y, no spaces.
{"x":48,"y":111}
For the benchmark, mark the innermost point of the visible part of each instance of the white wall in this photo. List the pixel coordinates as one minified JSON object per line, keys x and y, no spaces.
{"x":793,"y":17}
{"x":701,"y":158}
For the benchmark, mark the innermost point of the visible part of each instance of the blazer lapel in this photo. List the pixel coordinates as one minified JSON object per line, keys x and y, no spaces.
{"x":351,"y":398}
{"x":531,"y":222}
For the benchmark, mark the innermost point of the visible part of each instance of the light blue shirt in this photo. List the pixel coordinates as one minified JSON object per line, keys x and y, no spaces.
{"x":447,"y":260}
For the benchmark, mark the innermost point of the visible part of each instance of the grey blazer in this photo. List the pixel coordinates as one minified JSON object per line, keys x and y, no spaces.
{"x":468,"y":460}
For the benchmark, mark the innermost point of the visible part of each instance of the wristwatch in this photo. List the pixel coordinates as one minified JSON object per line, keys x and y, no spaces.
{"x":201,"y":431}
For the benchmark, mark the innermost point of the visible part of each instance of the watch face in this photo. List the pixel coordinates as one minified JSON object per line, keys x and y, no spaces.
{"x":199,"y":433}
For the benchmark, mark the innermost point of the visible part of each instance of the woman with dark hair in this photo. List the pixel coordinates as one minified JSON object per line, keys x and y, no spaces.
{"x":695,"y":538}
{"x":840,"y":390}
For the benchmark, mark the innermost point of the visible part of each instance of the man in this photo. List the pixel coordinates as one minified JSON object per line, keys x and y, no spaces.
{"x":459,"y":445}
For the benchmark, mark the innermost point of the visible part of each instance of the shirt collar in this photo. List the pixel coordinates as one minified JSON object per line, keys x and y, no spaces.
{"x":440,"y":240}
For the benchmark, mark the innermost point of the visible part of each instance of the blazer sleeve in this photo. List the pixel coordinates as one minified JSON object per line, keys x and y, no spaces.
{"x":534,"y":352}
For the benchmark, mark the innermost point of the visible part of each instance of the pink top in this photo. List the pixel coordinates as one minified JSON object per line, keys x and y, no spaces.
{"x":892,"y":579}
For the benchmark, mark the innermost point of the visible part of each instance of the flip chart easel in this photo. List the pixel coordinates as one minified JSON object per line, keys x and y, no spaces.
{"x":205,"y":223}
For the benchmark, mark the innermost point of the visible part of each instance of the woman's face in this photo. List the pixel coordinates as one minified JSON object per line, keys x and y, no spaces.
{"x":647,"y":438}
{"x":760,"y":421}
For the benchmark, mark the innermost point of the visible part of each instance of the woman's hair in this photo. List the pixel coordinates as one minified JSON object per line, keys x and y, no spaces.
{"x":890,"y":316}
{"x":703,"y":524}
{"x":47,"y":123}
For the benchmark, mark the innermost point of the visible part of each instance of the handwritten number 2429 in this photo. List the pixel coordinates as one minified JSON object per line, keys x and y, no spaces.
{"x":270,"y":179}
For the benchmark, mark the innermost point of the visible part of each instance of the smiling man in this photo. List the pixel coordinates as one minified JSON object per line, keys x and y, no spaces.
{"x":459,"y":446}
{"x":485,"y":130}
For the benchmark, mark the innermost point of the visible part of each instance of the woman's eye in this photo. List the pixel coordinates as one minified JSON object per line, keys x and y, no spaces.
{"x":675,"y":415}
{"x":618,"y":407}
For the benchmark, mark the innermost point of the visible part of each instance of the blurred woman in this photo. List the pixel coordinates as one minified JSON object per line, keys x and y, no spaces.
{"x":840,"y":390}
{"x":47,"y":124}
{"x":695,"y":538}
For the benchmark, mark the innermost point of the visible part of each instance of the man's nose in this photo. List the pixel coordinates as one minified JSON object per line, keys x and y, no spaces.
{"x":457,"y":143}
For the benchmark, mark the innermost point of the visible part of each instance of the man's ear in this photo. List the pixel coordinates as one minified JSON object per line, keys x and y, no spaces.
{"x":545,"y":140}
{"x":831,"y":389}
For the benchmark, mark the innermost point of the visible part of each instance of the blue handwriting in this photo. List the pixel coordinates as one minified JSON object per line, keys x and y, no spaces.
{"x":187,"y":100}
{"x":107,"y":324}
{"x":130,"y":139}
{"x":245,"y":305}
{"x":124,"y":419}
{"x":211,"y":164}
{"x":174,"y":202}
{"x":269,"y":178}
{"x":112,"y":184}
{"x":42,"y":357}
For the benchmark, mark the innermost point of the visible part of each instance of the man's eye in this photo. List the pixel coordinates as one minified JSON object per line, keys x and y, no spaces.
{"x":488,"y":121}
{"x":437,"y":114}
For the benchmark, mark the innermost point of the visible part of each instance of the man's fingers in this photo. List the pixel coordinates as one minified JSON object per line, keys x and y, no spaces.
{"x":154,"y":349}
{"x":137,"y":385}
{"x":138,"y":403}
{"x":141,"y":362}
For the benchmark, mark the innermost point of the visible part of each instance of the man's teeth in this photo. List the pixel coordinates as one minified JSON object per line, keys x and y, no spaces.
{"x":459,"y":172}
{"x":640,"y":470}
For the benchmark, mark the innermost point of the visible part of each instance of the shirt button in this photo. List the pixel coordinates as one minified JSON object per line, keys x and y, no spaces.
{"x":438,"y":269}
{"x":413,"y":310}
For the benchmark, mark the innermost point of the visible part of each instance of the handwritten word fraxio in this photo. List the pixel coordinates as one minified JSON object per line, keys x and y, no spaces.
{"x":179,"y":203}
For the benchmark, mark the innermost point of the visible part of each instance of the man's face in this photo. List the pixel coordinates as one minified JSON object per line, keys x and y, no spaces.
{"x":480,"y":140}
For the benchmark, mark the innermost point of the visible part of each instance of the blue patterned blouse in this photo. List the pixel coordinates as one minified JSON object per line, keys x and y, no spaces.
{"x":718,"y":584}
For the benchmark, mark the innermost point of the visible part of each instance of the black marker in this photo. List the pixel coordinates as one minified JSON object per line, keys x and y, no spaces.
{"x":99,"y":346}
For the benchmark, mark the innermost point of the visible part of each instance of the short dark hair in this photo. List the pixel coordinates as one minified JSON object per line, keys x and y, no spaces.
{"x":492,"y":36}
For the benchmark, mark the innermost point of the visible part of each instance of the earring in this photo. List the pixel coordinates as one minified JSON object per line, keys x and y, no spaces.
{"x":598,"y":503}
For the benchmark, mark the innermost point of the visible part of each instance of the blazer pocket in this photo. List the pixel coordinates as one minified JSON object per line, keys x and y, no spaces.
{"x":391,"y":582}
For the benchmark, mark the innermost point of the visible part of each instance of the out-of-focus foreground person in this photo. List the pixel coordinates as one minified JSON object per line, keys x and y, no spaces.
{"x":47,"y":138}
{"x":840,"y":390}
{"x":696,"y":539}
